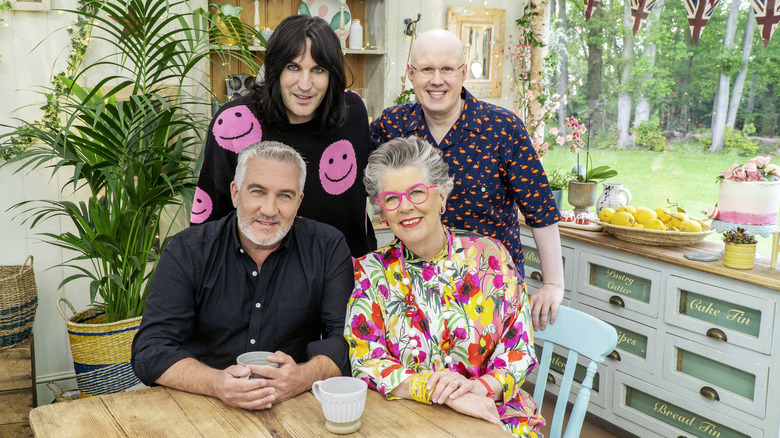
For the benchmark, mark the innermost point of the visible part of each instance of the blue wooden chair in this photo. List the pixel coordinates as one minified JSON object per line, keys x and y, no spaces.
{"x":581,"y":334}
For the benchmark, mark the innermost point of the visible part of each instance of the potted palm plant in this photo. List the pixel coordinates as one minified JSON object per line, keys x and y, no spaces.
{"x":130,"y":142}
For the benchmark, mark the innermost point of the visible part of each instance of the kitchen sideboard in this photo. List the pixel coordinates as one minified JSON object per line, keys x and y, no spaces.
{"x":698,"y":350}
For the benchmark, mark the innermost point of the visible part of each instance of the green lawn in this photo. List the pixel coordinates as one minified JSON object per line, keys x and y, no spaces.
{"x":683,"y":176}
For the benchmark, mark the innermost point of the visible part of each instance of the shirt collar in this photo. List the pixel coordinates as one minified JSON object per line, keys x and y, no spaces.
{"x":470,"y":118}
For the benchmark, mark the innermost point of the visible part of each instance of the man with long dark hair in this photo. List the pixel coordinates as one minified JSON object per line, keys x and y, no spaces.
{"x":301,"y":102}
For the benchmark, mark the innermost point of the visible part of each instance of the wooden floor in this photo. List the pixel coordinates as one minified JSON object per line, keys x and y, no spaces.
{"x":593,"y":427}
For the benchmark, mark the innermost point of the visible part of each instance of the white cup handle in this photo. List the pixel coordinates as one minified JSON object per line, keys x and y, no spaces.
{"x":315,"y":389}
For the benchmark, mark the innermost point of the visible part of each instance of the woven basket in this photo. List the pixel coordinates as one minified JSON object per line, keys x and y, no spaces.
{"x":18,"y":302}
{"x":101,"y":350}
{"x":654,"y":237}
{"x":60,"y":394}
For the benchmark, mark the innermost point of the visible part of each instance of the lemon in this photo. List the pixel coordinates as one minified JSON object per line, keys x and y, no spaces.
{"x":677,"y":219}
{"x":690,"y":226}
{"x":627,"y":208}
{"x":643,"y":215}
{"x":655,"y":224}
{"x":623,"y":218}
{"x":663,"y":214}
{"x":605,"y":215}
{"x":638,"y":225}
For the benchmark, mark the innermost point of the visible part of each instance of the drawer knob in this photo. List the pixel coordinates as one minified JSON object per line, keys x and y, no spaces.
{"x":709,"y":393}
{"x":551,"y":379}
{"x":616,"y":300}
{"x":614,"y":355}
{"x":536,"y":275}
{"x":718,"y":334}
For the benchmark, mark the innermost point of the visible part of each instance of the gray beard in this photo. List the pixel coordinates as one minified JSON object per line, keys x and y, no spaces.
{"x":245,"y":226}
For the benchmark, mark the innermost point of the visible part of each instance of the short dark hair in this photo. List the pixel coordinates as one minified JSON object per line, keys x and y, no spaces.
{"x":287,"y":43}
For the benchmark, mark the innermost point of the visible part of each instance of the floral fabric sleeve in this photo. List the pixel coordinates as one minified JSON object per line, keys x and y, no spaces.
{"x":373,"y":354}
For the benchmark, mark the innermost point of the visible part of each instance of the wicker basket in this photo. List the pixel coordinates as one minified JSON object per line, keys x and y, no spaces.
{"x":18,"y":302}
{"x":101,"y":350}
{"x":654,"y":237}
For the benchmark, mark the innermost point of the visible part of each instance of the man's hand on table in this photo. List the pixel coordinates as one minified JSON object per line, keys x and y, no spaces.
{"x":252,"y":394}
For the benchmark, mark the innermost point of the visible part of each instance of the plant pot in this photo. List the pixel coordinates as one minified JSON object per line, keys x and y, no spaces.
{"x":558,"y":195}
{"x":582,"y":195}
{"x":101,"y":351}
{"x":739,"y":256}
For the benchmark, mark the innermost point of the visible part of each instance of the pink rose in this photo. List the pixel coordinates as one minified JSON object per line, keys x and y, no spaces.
{"x":771,"y":169}
{"x":729,"y":173}
{"x":759,"y":161}
{"x":740,"y":174}
{"x":752,"y":172}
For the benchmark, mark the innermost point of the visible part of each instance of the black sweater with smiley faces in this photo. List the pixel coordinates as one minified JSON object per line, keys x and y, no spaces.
{"x":334,"y":191}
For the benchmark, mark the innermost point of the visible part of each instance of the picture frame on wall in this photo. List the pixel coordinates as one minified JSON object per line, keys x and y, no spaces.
{"x":31,"y":5}
{"x":482,"y":32}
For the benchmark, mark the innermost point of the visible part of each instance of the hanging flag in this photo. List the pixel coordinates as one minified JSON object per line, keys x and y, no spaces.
{"x":590,"y":6}
{"x":699,"y":13}
{"x":640,"y":10}
{"x":767,"y":16}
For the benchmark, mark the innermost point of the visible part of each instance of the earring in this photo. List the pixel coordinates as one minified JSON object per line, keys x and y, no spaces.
{"x":442,"y":210}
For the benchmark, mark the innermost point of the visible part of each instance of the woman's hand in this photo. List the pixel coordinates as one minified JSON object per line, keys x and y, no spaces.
{"x":450,"y":384}
{"x":476,"y":406}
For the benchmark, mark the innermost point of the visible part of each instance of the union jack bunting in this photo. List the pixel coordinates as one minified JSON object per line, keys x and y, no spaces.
{"x":590,"y":6}
{"x":640,"y":10}
{"x":699,"y":13}
{"x":767,"y":16}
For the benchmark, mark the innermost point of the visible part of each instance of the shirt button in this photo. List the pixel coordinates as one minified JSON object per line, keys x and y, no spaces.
{"x":415,"y":352}
{"x":252,"y":341}
{"x":483,"y":190}
{"x":448,"y":264}
{"x":447,"y":359}
{"x":241,"y":250}
{"x":254,"y":273}
{"x":413,"y":343}
{"x":258,"y":305}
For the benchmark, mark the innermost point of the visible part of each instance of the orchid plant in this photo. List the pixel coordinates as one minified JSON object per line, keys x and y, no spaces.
{"x":756,"y":169}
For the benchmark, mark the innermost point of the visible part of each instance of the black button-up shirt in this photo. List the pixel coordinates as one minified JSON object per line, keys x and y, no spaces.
{"x":209,"y":302}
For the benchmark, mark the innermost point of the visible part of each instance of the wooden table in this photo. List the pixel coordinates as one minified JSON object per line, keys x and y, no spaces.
{"x":165,"y":412}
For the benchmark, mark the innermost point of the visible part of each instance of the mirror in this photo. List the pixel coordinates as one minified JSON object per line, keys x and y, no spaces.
{"x":482,"y":32}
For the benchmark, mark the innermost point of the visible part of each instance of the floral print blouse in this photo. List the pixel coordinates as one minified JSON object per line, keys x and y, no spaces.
{"x":466,"y":310}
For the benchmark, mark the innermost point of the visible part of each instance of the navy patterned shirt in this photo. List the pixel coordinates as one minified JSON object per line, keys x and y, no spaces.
{"x":494,"y":166}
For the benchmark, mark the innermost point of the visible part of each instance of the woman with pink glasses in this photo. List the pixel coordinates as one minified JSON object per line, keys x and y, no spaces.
{"x":439,"y":315}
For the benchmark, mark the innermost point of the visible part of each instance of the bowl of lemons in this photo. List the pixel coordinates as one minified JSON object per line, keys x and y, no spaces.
{"x":659,"y":227}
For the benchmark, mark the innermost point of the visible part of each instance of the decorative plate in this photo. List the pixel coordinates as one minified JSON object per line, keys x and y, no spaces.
{"x":654,"y":237}
{"x":328,"y":10}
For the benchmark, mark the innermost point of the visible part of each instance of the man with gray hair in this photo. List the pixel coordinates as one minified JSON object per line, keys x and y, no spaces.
{"x":260,"y":278}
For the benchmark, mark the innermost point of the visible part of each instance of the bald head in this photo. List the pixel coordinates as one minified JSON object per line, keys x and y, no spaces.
{"x":437,"y":41}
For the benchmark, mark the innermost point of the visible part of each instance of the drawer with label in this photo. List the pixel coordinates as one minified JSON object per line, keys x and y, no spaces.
{"x":722,"y":319}
{"x":622,"y":288}
{"x":670,"y":415}
{"x":558,"y":365}
{"x":533,"y":265}
{"x":637,"y":345}
{"x":720,"y":381}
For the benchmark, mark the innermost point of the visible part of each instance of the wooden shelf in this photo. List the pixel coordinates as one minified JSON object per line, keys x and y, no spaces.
{"x":368,"y":65}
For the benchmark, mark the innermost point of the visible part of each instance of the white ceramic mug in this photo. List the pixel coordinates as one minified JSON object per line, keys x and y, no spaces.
{"x":342,"y":400}
{"x":255,"y":358}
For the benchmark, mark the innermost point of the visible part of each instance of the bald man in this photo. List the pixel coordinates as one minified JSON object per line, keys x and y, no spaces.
{"x":495,"y":167}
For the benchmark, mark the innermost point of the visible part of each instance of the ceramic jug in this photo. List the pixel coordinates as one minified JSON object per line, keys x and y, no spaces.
{"x":613,"y":196}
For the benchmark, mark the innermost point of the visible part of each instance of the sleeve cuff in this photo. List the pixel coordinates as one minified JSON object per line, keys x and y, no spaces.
{"x":334,"y":348}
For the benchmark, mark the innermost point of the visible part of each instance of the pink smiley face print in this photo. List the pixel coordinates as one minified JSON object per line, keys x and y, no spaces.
{"x":338,"y":167}
{"x":236,"y":128}
{"x":201,"y":207}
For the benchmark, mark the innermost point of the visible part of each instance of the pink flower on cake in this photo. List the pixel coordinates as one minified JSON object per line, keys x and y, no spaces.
{"x":757,"y":169}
